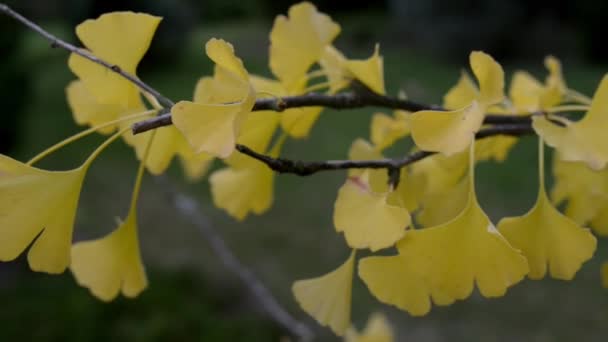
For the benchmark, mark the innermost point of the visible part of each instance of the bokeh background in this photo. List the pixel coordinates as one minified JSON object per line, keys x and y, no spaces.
{"x":191,"y":297}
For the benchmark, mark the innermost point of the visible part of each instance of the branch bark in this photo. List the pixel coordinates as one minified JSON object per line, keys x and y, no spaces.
{"x":348,"y":100}
{"x":188,"y":208}
{"x":307,"y":168}
{"x":56,"y":42}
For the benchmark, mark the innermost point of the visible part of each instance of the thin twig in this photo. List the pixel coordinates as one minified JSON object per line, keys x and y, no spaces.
{"x":307,"y":168}
{"x":188,"y":208}
{"x":56,"y":42}
{"x":348,"y":100}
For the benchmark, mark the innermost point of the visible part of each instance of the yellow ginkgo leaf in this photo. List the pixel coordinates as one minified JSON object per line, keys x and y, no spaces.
{"x":490,"y":76}
{"x":369,"y":71}
{"x":333,"y":63}
{"x":464,"y":251}
{"x":604,"y":274}
{"x":195,"y":165}
{"x":400,"y":282}
{"x":164,"y":146}
{"x":599,"y":222}
{"x":365,"y":217}
{"x":299,"y":121}
{"x":243,"y":188}
{"x":583,"y":140}
{"x":439,"y":207}
{"x":222,"y":54}
{"x":214,"y":124}
{"x":584,"y":189}
{"x":386,"y":130}
{"x":328,"y":298}
{"x":525,"y":92}
{"x":555,"y":85}
{"x":87,"y":111}
{"x":446,"y":132}
{"x":298,"y":41}
{"x":409,"y":191}
{"x":361,"y":149}
{"x":494,"y":148}
{"x":545,"y":236}
{"x":256,"y":133}
{"x":437,"y":172}
{"x":377,"y":329}
{"x":112,"y":264}
{"x":39,"y":206}
{"x":462,"y":94}
{"x":122,"y":39}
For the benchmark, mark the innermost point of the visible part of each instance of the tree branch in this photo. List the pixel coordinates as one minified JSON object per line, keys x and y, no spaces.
{"x":348,"y":100}
{"x":188,"y":208}
{"x":307,"y":168}
{"x":56,"y":42}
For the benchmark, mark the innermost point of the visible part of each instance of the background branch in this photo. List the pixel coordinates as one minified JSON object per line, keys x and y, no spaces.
{"x":188,"y":208}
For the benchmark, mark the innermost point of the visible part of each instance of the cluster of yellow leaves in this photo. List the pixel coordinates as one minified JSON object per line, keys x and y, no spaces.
{"x":458,"y":245}
{"x":455,"y":248}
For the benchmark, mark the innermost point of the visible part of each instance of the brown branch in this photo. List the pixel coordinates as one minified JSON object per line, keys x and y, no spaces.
{"x":348,"y":100}
{"x":307,"y":168}
{"x":188,"y":208}
{"x":56,"y":42}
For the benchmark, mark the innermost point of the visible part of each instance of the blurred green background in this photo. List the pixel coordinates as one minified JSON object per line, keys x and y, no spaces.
{"x":191,"y":297}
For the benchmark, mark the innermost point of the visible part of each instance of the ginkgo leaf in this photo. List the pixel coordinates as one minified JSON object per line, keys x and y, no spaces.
{"x":583,"y":140}
{"x":365,"y":217}
{"x":599,"y":222}
{"x":298,"y":41}
{"x":525,"y":92}
{"x":490,"y":76}
{"x":584,"y":189}
{"x":299,"y":121}
{"x":195,"y":165}
{"x":333,"y":63}
{"x":439,"y":207}
{"x":545,"y":236}
{"x":462,"y":94}
{"x":386,"y":130}
{"x":112,"y":264}
{"x":446,"y":132}
{"x":604,"y":274}
{"x":361,"y":149}
{"x":210,"y":128}
{"x":119,"y":38}
{"x":494,"y":148}
{"x":328,"y":298}
{"x":555,"y":85}
{"x":397,"y":281}
{"x":214,"y":125}
{"x":369,"y":71}
{"x":242,"y":189}
{"x":409,"y":191}
{"x":87,"y":111}
{"x":222,"y":54}
{"x":39,"y":206}
{"x":466,"y":250}
{"x":377,"y":329}
{"x":164,"y":146}
{"x":438,"y":172}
